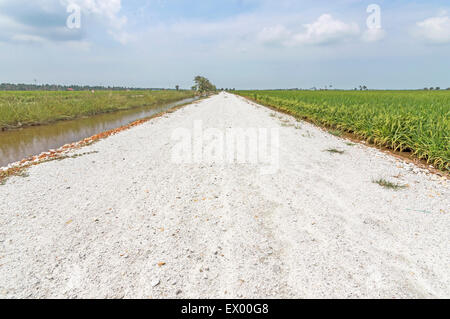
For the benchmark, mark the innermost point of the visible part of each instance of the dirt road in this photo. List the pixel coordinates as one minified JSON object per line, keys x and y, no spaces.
{"x":124,"y":220}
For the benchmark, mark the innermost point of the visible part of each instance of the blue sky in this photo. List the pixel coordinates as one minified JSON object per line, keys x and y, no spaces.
{"x":236,"y":43}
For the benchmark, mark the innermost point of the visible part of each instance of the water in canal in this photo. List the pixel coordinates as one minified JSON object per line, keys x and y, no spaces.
{"x":16,"y":145}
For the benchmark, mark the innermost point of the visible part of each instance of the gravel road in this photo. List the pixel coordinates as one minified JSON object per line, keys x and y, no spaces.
{"x":123,"y":220}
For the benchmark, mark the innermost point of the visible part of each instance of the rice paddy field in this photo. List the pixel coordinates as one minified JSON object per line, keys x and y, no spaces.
{"x":19,"y":109}
{"x":410,"y":121}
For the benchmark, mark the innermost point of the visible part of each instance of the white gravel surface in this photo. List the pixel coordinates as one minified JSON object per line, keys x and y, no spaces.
{"x":126,"y":222}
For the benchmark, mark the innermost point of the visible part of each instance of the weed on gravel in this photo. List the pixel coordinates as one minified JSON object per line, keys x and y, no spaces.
{"x":389,"y":185}
{"x":334,"y":151}
{"x":63,"y":157}
{"x":308,"y":134}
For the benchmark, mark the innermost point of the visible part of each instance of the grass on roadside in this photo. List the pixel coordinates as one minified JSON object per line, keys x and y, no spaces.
{"x":334,"y":151}
{"x":335,"y":133}
{"x":389,"y":185}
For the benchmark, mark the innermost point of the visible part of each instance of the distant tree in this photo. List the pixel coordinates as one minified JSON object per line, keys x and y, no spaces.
{"x":177,"y":87}
{"x":425,"y":89}
{"x":437,"y":88}
{"x":203,"y":85}
{"x":431,"y":89}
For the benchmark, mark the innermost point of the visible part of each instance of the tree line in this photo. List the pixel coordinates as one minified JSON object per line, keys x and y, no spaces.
{"x":58,"y":87}
{"x":202,"y":86}
{"x":437,"y":88}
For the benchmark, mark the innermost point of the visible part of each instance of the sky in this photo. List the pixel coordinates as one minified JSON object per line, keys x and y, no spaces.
{"x":242,"y":44}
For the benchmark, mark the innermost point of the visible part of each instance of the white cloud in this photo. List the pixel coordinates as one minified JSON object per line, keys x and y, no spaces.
{"x":41,"y":21}
{"x":324,"y":30}
{"x":373,"y":35}
{"x":108,"y":9}
{"x":122,"y":36}
{"x":434,"y":30}
{"x":275,"y":35}
{"x":27,"y":38}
